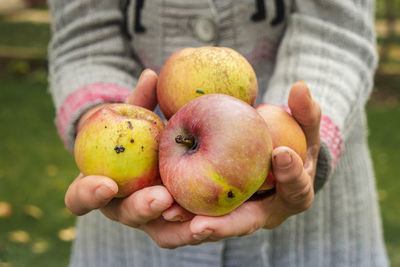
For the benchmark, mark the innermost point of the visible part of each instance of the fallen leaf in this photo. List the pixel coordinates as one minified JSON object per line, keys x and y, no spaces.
{"x":67,"y":234}
{"x":40,"y":247}
{"x":5,"y":209}
{"x":19,"y":236}
{"x":33,"y":211}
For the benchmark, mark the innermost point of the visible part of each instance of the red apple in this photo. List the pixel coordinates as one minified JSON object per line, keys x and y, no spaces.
{"x":215,"y":152}
{"x":193,"y":72}
{"x":121,"y":141}
{"x":285,"y":131}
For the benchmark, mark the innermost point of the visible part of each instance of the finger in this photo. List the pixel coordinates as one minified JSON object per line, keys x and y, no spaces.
{"x":170,"y":234}
{"x":293,"y":184}
{"x":140,"y":207}
{"x":145,"y":94}
{"x":176,"y":213}
{"x":244,"y":220}
{"x":306,"y":111}
{"x":89,"y":193}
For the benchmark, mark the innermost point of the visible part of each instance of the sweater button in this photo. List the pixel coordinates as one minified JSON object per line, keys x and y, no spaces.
{"x":204,"y":29}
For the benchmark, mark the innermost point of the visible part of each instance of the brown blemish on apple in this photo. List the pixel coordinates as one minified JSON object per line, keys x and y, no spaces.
{"x":142,"y":148}
{"x":105,"y":126}
{"x":119,"y":149}
{"x":230,"y":194}
{"x":130,"y":125}
{"x":132,"y":141}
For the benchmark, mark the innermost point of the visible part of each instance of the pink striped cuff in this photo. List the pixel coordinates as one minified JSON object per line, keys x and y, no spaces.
{"x":330,"y":133}
{"x":84,"y":98}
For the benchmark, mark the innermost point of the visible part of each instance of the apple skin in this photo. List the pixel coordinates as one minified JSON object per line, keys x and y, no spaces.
{"x":192,"y":72}
{"x":121,"y":141}
{"x":285,"y":131}
{"x":227,"y":158}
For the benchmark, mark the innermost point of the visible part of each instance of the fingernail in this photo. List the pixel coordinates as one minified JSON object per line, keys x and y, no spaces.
{"x":104,"y":192}
{"x":143,"y":74}
{"x":158,"y":206}
{"x":202,"y":235}
{"x":282,"y":159}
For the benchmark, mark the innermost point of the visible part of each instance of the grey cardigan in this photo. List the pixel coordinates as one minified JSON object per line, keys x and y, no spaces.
{"x":100,"y":47}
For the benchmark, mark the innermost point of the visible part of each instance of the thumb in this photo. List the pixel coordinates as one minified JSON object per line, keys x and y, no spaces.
{"x":145,"y":93}
{"x":294,"y":185}
{"x":306,"y":111}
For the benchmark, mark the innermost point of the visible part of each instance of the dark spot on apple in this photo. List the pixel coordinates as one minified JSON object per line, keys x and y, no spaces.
{"x":142,"y":148}
{"x":120,"y":135}
{"x":119,"y":149}
{"x":132,"y":141}
{"x":130,"y":125}
{"x":105,"y":126}
{"x":230,"y":194}
{"x":200,"y":92}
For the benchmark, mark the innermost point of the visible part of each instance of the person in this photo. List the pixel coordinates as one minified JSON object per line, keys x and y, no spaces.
{"x":324,"y":212}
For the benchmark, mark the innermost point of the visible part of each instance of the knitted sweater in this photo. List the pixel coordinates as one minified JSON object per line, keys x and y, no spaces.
{"x":100,"y":47}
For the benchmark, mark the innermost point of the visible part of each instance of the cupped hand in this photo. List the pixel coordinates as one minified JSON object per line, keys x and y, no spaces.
{"x":294,"y":188}
{"x":143,"y":208}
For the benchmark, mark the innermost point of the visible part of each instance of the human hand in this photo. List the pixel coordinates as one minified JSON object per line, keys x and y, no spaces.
{"x":143,"y":208}
{"x":294,"y":188}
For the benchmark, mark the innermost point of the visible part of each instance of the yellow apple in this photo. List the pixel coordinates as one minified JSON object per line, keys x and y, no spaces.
{"x":193,"y":72}
{"x":121,"y":141}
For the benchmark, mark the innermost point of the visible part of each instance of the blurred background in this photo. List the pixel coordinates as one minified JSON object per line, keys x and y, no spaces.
{"x":35,"y":170}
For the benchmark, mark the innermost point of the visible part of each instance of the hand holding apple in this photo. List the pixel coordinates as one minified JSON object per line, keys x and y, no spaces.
{"x":143,"y":208}
{"x":294,"y":187}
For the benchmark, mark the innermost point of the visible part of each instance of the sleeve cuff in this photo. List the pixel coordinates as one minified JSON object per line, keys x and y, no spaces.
{"x":81,"y":100}
{"x":329,"y":154}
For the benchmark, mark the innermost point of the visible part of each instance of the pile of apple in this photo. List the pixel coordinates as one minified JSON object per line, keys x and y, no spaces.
{"x":215,"y":150}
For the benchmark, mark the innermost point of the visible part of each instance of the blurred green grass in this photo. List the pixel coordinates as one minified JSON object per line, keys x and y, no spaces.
{"x":384,"y":140}
{"x":35,"y":168}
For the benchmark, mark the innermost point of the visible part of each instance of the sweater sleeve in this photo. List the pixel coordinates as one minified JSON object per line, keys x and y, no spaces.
{"x":331,"y":46}
{"x":89,"y":59}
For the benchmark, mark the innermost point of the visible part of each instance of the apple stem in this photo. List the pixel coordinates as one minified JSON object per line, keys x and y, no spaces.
{"x":188,"y":141}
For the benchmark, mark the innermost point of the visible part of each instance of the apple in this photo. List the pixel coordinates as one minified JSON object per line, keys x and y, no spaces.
{"x":121,"y":141}
{"x":215,"y":152}
{"x":192,"y":72}
{"x":285,"y":131}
